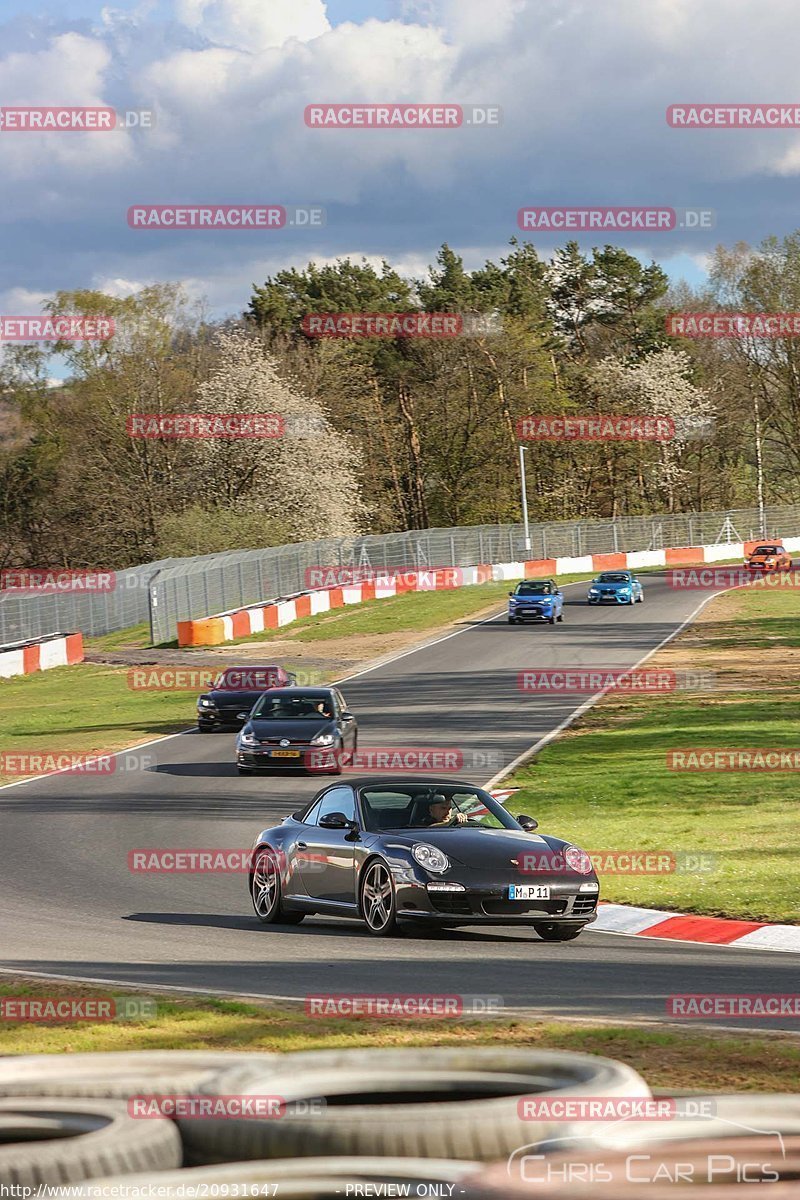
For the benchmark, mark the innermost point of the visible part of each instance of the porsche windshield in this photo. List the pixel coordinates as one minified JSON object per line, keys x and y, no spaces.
{"x":418,"y":806}
{"x":292,"y":708}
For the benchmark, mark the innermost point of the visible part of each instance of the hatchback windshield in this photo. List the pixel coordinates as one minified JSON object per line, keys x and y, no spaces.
{"x":292,"y":708}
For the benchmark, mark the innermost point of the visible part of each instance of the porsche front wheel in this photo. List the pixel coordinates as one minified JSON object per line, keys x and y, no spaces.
{"x":378,"y":905}
{"x":265,"y":891}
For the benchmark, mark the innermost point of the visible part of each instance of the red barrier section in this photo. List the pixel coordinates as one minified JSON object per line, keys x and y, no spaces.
{"x":241,"y":623}
{"x":74,"y":648}
{"x":540,"y":566}
{"x":609,"y":562}
{"x":31,"y":659}
{"x":302,"y":606}
{"x":685,"y":554}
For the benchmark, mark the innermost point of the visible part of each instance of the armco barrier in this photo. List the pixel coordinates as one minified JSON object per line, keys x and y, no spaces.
{"x":243,"y":622}
{"x":58,"y":650}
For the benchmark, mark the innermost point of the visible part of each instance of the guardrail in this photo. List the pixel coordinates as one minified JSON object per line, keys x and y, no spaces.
{"x":172,"y":590}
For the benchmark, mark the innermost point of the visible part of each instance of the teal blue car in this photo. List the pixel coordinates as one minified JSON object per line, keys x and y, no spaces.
{"x":616,"y":587}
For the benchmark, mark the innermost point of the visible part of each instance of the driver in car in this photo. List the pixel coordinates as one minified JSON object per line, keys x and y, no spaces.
{"x":441,"y":812}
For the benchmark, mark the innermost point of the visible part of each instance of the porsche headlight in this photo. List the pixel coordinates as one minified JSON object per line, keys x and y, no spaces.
{"x":578,"y":860}
{"x":323,"y":739}
{"x":249,"y":739}
{"x":431,"y":858}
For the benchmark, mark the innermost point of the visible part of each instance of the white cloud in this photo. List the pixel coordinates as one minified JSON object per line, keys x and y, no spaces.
{"x":584,"y":88}
{"x":254,"y":25}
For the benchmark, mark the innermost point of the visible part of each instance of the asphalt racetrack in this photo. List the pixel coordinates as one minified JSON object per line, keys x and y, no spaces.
{"x":71,"y":906}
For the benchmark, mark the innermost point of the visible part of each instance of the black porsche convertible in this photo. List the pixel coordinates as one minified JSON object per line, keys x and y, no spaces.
{"x":388,"y":850}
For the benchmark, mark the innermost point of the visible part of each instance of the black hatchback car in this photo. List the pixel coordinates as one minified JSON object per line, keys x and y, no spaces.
{"x":234,"y":692}
{"x":309,"y":728}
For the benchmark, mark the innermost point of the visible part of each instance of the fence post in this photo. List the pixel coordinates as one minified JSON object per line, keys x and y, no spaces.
{"x":152,"y":604}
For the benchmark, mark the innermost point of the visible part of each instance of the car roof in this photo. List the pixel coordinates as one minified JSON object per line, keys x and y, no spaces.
{"x":535,"y":581}
{"x":300,"y":691}
{"x":252,"y":667}
{"x":396,"y":781}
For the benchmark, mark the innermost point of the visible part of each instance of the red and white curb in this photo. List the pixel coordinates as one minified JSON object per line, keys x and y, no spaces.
{"x":684,"y":927}
{"x":57,"y":650}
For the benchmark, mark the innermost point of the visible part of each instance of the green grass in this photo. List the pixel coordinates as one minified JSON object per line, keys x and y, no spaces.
{"x":134,"y":637}
{"x":86,"y":708}
{"x":681,"y":1059}
{"x":607,"y":785}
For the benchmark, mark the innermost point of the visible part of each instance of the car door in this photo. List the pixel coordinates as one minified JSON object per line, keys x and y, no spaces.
{"x":326,"y":857}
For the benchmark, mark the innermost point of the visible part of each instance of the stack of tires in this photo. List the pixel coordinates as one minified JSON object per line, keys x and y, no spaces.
{"x":415,"y":1122}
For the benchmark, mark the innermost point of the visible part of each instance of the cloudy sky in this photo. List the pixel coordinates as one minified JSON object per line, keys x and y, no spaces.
{"x":583,"y":86}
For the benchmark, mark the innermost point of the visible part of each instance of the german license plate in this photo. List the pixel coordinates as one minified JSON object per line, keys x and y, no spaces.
{"x":529,"y":891}
{"x":284,"y":753}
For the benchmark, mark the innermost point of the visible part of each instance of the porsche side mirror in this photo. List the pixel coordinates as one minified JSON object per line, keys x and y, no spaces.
{"x":334,"y":820}
{"x":527,"y":823}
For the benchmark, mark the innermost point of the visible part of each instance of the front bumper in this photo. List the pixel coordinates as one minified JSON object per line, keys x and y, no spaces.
{"x":611,"y":598}
{"x":303,"y":758}
{"x":220,"y":720}
{"x":489,"y":905}
{"x":532,"y":614}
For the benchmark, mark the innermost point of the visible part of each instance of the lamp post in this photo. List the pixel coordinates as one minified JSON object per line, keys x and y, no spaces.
{"x":525,"y":520}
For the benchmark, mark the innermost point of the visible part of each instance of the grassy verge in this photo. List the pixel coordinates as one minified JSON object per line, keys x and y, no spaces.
{"x":134,"y":637}
{"x":87,"y":709}
{"x":607,"y":781}
{"x":689,"y":1059}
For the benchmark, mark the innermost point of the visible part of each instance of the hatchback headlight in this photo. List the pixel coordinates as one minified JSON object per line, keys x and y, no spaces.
{"x":431,"y":858}
{"x":249,"y":739}
{"x":203,"y":703}
{"x":578,"y":860}
{"x":323,"y":739}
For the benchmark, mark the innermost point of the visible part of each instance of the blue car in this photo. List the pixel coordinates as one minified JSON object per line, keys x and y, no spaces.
{"x":616,"y":587}
{"x":535,"y":600}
